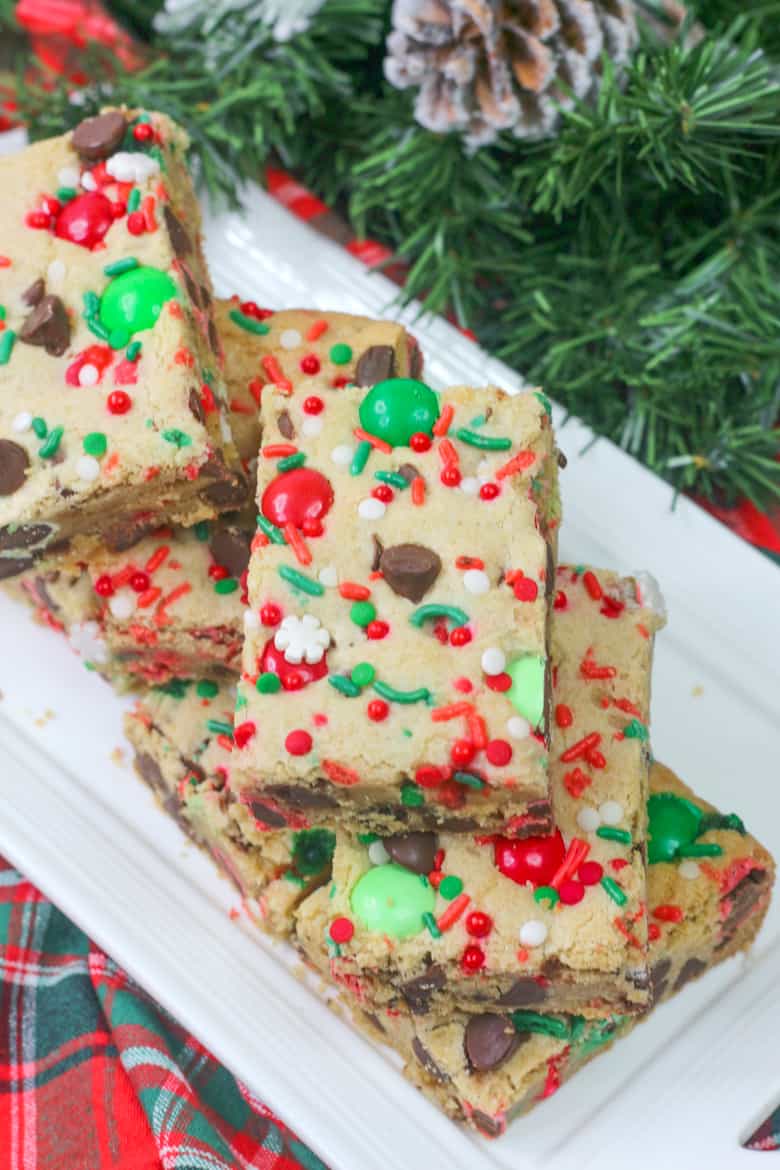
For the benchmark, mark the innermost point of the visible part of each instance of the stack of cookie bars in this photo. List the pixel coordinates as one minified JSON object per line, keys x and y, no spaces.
{"x":412,"y":738}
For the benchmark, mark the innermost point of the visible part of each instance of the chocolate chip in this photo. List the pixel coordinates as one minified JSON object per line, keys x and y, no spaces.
{"x":415,"y":357}
{"x":231,"y":488}
{"x":14,"y":462}
{"x":23,"y":535}
{"x":524,"y":992}
{"x":375,"y":365}
{"x":378,"y":550}
{"x":99,"y":137}
{"x":285,"y":424}
{"x":47,"y":325}
{"x":418,"y":991}
{"x":691,"y":969}
{"x":659,"y":977}
{"x":42,"y":593}
{"x":216,"y":348}
{"x":127,"y":532}
{"x":149,"y":770}
{"x":459,"y":825}
{"x":193,"y":289}
{"x":741,"y":901}
{"x":414,"y":851}
{"x":267,"y":815}
{"x":299,"y":797}
{"x":410,"y":569}
{"x":230,"y":547}
{"x":35,"y":292}
{"x":563,"y":462}
{"x":489,"y":1040}
{"x":408,"y":471}
{"x":489,"y":1126}
{"x":196,"y":406}
{"x":12,"y":566}
{"x":427,"y":1061}
{"x":205,"y":295}
{"x":179,"y":236}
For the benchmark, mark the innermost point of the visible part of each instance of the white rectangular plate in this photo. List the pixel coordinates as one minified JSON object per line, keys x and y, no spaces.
{"x":686,"y":1086}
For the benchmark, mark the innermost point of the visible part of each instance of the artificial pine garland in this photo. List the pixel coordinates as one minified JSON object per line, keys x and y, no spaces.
{"x":631,"y":263}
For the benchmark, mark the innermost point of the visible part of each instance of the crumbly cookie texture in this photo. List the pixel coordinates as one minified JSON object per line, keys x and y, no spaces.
{"x":181,"y":738}
{"x":709,"y":887}
{"x":399,"y":584}
{"x":173,"y":606}
{"x":436,"y":921}
{"x":112,"y":407}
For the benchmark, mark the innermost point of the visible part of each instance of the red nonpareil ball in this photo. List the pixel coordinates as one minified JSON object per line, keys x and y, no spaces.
{"x":298,"y":742}
{"x":472,"y":959}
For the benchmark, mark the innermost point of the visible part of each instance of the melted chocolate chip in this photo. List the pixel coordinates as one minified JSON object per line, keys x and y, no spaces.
{"x":14,"y":462}
{"x":375,"y":365}
{"x":205,"y":295}
{"x":193,"y":289}
{"x":298,"y":797}
{"x":379,"y":548}
{"x":99,"y":137}
{"x":742,"y":899}
{"x":410,"y":569}
{"x":419,"y":991}
{"x":149,"y":770}
{"x":231,"y":488}
{"x":524,"y":992}
{"x":125,"y":533}
{"x":408,"y":471}
{"x":196,"y":406}
{"x":37,"y":290}
{"x":216,"y":348}
{"x":415,"y":358}
{"x":285,"y":424}
{"x":427,"y":1061}
{"x":489,"y":1040}
{"x":48,"y":326}
{"x":659,"y":978}
{"x":230,"y":547}
{"x":691,"y":969}
{"x":24,"y":535}
{"x":42,"y":593}
{"x":178,"y":234}
{"x":490,"y":1126}
{"x":414,"y":851}
{"x":12,"y":566}
{"x":266,"y":815}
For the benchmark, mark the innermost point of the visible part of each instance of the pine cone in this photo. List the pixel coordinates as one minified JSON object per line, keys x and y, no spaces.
{"x":482,"y":66}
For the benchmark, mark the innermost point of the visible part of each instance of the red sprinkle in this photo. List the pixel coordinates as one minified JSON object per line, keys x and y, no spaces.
{"x":563,"y":715}
{"x":526,"y":589}
{"x":143,"y":132}
{"x":498,"y":682}
{"x":351,"y":591}
{"x":298,"y":743}
{"x":561,"y":600}
{"x":590,"y":872}
{"x":429,"y":776}
{"x":668,"y":913}
{"x":442,"y":424}
{"x":593,"y":586}
{"x":653,"y":932}
{"x":339,"y":773}
{"x":316,"y":330}
{"x":519,"y":462}
{"x":581,"y":748}
{"x":453,"y":912}
{"x":418,"y":491}
{"x":377,"y":443}
{"x":243,"y":733}
{"x":136,"y":223}
{"x":274,"y":372}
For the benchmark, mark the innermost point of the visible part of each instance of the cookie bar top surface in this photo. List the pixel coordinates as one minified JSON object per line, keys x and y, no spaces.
{"x":398,"y":583}
{"x":544,"y":920}
{"x":110,"y":373}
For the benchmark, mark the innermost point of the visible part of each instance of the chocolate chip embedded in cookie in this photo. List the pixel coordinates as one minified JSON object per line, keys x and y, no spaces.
{"x":489,"y":1040}
{"x":98,"y":137}
{"x":14,"y":462}
{"x":230,"y":547}
{"x":179,"y":237}
{"x":376,"y":365}
{"x":48,"y":326}
{"x":410,"y":569}
{"x":414,"y":851}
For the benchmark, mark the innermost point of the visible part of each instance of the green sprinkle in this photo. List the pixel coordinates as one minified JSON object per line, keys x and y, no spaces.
{"x":731,"y":821}
{"x":219,"y":727}
{"x":134,"y":200}
{"x":176,"y":688}
{"x":133,"y":351}
{"x":206,"y":689}
{"x":608,"y":833}
{"x":268,"y":683}
{"x":340,"y":354}
{"x":201,"y":530}
{"x":301,"y":581}
{"x":425,"y":612}
{"x":65,"y":194}
{"x":249,"y":323}
{"x":545,"y":401}
{"x":546,"y":894}
{"x":119,"y":266}
{"x":226,"y":585}
{"x":367,"y":838}
{"x":468,"y":780}
{"x":291,"y":461}
{"x":430,"y":923}
{"x":177,"y":437}
{"x":614,"y":890}
{"x":362,"y":613}
{"x":274,"y":534}
{"x":478,"y":420}
{"x":527,"y":1021}
{"x":91,"y":304}
{"x":484,"y":442}
{"x":363,"y":674}
{"x":393,"y":478}
{"x":39,"y":428}
{"x":360,"y":458}
{"x":207,"y":376}
{"x":450,"y":887}
{"x":421,"y":695}
{"x":118,"y":338}
{"x":3,"y":312}
{"x":344,"y":685}
{"x":51,"y":443}
{"x":241,"y":701}
{"x":96,"y":326}
{"x":700,"y":849}
{"x":412,"y":796}
{"x":7,"y":339}
{"x":95,"y":443}
{"x":636,"y":730}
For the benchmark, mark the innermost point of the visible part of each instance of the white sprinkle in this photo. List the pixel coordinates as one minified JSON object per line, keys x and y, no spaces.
{"x":89,"y":375}
{"x":85,"y":639}
{"x":122,"y":604}
{"x":55,"y":273}
{"x":22,"y":421}
{"x":377,"y":854}
{"x":328,"y":576}
{"x":251,"y":620}
{"x":311,"y":426}
{"x":611,"y":812}
{"x":87,"y":467}
{"x":588,"y":819}
{"x":475,"y":581}
{"x":371,"y":509}
{"x":518,"y":727}
{"x":470,"y":485}
{"x":88,"y":182}
{"x":533,"y":933}
{"x":688,"y":870}
{"x":68,"y":177}
{"x":290,"y":339}
{"x":342,"y":454}
{"x":493,"y":660}
{"x":132,"y":168}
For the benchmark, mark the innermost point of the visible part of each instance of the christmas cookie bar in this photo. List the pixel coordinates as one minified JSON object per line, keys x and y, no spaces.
{"x":441,"y":920}
{"x":181,"y":738}
{"x":709,"y":886}
{"x":396,"y":675}
{"x":112,"y":412}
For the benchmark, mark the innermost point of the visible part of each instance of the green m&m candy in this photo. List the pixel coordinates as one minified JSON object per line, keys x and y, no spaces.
{"x":134,"y":300}
{"x":392,"y":900}
{"x":672,"y":823}
{"x":526,"y":693}
{"x":398,"y":408}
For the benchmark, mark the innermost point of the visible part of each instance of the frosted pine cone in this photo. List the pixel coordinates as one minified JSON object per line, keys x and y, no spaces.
{"x":487,"y":65}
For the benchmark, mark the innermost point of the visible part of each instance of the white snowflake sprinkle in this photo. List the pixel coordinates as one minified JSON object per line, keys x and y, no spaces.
{"x":533,"y":933}
{"x":476,"y":581}
{"x":493,"y":660}
{"x":302,"y":639}
{"x":371,"y":509}
{"x":89,"y":375}
{"x":290,"y":339}
{"x":328,"y":576}
{"x":588,"y":819}
{"x":377,"y":854}
{"x":132,"y":168}
{"x":22,"y":421}
{"x":87,"y":468}
{"x":122,"y":604}
{"x":342,"y":454}
{"x":518,"y":727}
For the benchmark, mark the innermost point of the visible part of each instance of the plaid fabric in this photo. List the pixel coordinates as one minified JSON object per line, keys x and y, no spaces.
{"x":94,"y":1075}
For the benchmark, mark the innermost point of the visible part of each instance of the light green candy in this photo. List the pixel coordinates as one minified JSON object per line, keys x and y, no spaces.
{"x":526,"y":693}
{"x":134,"y":300}
{"x":391,"y":900}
